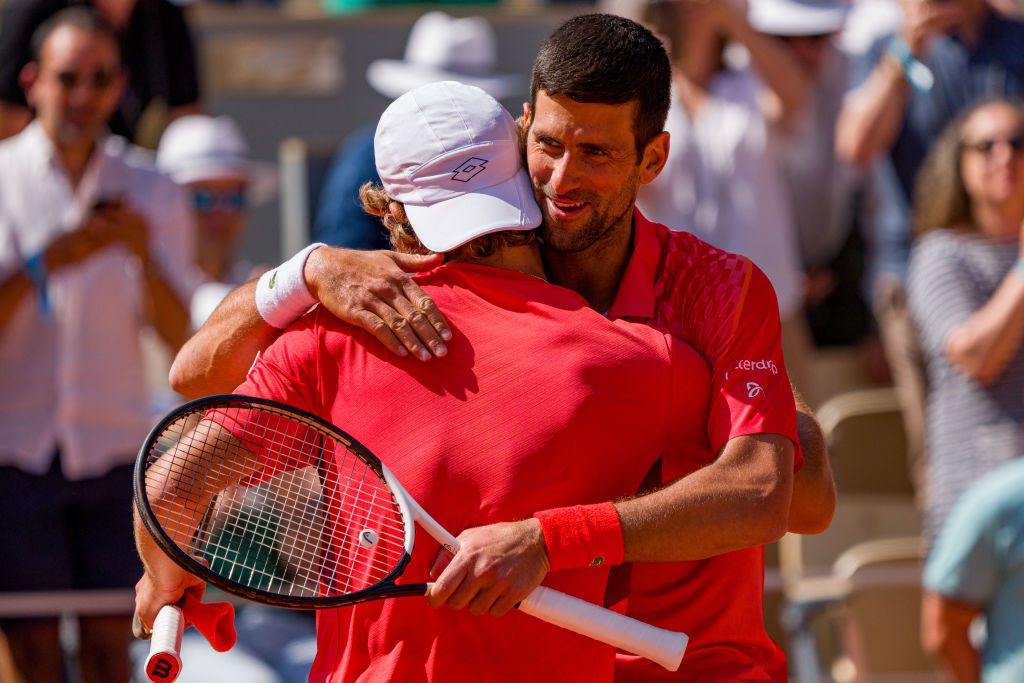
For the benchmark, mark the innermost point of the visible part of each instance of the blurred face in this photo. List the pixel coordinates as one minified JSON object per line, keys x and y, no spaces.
{"x":810,"y":51}
{"x":583,"y":165}
{"x":992,"y":155}
{"x":220,"y":210}
{"x":75,"y":86}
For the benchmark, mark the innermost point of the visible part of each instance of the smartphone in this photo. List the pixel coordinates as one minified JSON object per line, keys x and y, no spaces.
{"x":106,"y":203}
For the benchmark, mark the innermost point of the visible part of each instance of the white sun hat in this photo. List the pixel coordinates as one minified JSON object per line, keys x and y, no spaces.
{"x":450,"y":153}
{"x":443,"y":48}
{"x":197,"y":147}
{"x":798,"y":17}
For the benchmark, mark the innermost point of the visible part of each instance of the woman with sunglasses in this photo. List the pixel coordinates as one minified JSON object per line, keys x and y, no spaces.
{"x":209,"y":158}
{"x":966,"y":297}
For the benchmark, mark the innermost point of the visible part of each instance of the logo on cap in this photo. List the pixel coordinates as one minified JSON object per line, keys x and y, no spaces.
{"x":469,"y":169}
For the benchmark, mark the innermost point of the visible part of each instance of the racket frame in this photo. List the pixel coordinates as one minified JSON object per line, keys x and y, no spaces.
{"x":385,"y":588}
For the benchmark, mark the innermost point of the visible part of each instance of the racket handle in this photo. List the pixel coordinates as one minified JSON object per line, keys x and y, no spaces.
{"x":656,"y":644}
{"x":164,"y":661}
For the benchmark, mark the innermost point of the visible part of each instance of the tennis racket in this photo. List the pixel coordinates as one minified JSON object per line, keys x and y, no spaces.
{"x":276,"y":505}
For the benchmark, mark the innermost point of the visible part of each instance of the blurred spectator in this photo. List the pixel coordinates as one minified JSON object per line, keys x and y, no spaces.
{"x":156,"y":49}
{"x":975,"y":569}
{"x":209,"y":158}
{"x":966,"y":297}
{"x":722,"y":180}
{"x":440,"y":48}
{"x":968,"y":52}
{"x":819,"y":186}
{"x":92,"y":247}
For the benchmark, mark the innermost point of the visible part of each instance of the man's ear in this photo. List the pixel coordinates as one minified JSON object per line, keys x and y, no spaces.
{"x":527,"y":116}
{"x":655,"y":156}
{"x":27,"y":79}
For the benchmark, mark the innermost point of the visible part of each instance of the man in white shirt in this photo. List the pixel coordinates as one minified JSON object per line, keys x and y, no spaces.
{"x":94,"y":245}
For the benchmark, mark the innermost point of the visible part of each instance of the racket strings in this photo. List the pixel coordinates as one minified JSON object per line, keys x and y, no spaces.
{"x":272,"y":502}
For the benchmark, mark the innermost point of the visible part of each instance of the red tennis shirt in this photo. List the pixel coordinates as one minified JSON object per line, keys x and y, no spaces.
{"x":541,"y":402}
{"x":724,"y":307}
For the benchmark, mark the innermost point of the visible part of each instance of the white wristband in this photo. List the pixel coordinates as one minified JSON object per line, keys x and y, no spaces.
{"x":281,"y":294}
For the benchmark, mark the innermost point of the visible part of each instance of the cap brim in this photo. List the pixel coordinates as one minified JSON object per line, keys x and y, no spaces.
{"x":791,"y":19}
{"x":394,"y":77}
{"x":260,"y":175}
{"x":509,"y":205}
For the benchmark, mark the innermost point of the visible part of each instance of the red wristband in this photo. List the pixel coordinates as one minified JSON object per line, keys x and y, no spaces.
{"x":582,"y":536}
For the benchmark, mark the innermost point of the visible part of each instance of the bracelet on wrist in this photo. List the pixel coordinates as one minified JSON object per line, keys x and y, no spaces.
{"x":35,"y":269}
{"x":917,"y":74}
{"x":282,"y":295}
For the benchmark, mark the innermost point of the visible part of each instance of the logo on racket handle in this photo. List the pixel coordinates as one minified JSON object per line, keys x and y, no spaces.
{"x":163,"y":667}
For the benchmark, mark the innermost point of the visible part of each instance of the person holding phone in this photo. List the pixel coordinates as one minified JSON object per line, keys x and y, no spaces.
{"x":93,"y":247}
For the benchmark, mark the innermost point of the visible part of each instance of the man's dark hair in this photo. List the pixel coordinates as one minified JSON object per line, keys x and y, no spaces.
{"x":606,"y":59}
{"x":78,"y":16}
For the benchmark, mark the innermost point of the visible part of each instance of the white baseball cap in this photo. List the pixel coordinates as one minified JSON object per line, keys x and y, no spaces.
{"x":798,"y":17}
{"x":199,"y":147}
{"x":443,"y":48}
{"x":450,"y":153}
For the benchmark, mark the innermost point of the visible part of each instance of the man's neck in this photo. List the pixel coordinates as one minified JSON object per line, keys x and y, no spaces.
{"x":214,"y":262}
{"x":596,"y":272}
{"x":523,"y":259}
{"x":74,"y":158}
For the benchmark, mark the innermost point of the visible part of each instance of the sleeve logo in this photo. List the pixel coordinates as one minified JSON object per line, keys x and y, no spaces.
{"x":469,"y":169}
{"x":753,"y":366}
{"x":754,"y":390}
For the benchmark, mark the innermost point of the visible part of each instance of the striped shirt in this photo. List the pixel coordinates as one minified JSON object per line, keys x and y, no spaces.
{"x":971,"y":429}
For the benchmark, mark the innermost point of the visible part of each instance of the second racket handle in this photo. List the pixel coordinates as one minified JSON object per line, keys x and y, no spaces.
{"x":164,"y":661}
{"x":656,"y":644}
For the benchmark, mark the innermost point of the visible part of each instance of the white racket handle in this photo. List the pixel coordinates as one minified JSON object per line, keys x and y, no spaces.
{"x":164,"y":661}
{"x":656,"y":644}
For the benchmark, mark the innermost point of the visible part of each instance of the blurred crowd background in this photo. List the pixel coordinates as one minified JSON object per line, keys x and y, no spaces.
{"x":867,"y":155}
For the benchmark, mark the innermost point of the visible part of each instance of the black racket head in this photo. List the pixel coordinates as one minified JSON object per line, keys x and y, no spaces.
{"x":273,"y":504}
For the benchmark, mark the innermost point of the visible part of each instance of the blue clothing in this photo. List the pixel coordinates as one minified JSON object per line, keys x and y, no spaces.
{"x":963,"y":76}
{"x":979,"y":559}
{"x":340,"y":219}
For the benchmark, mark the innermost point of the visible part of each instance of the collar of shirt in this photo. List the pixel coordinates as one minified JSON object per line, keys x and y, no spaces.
{"x":48,"y":163}
{"x":635,"y":297}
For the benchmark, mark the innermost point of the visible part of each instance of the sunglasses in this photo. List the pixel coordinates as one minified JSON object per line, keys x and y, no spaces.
{"x":99,"y":81}
{"x":208,"y":201}
{"x":986,"y":146}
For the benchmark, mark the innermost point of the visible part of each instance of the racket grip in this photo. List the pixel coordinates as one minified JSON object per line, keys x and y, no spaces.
{"x":656,"y":644}
{"x":164,"y":661}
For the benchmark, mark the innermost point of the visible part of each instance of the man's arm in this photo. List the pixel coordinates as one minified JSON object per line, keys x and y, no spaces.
{"x":67,"y":249}
{"x":873,"y":113}
{"x":814,"y":490}
{"x":945,"y":634}
{"x":163,"y":581}
{"x":740,"y":500}
{"x":369,"y":289}
{"x":788,"y":82}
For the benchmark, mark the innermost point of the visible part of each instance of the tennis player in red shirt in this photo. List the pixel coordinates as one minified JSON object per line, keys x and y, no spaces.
{"x":531,"y":409}
{"x":594,"y":135}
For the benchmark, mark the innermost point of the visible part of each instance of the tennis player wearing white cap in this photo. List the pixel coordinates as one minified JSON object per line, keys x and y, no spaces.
{"x":529,"y":411}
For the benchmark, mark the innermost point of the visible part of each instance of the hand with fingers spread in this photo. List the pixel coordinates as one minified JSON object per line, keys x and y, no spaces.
{"x":374,"y":290}
{"x":496,"y":567}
